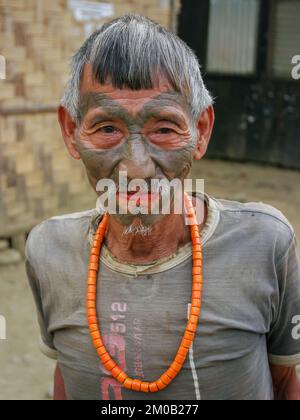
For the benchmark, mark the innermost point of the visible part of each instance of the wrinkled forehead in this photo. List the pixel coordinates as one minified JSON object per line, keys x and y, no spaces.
{"x":94,"y":95}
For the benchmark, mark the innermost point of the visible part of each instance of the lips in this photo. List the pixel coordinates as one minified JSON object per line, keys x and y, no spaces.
{"x":140,"y":198}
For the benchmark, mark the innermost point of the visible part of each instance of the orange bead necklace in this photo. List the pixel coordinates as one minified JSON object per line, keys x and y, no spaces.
{"x":188,"y":338}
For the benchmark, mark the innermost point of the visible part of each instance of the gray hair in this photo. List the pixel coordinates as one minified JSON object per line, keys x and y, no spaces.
{"x":133,"y":52}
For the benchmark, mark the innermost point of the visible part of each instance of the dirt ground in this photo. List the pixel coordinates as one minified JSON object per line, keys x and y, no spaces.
{"x":24,"y":372}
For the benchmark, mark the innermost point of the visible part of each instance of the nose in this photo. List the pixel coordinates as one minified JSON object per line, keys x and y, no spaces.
{"x":137,"y":161}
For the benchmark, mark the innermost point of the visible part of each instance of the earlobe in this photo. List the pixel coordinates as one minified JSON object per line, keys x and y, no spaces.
{"x":68,"y":128}
{"x":204,"y":128}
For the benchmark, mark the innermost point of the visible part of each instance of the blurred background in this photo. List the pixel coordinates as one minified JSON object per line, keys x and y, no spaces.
{"x":248,"y":51}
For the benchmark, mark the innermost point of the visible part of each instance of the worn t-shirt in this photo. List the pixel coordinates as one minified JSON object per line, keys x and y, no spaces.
{"x":251,"y":300}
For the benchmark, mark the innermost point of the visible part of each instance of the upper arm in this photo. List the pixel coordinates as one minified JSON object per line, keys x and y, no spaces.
{"x":283,"y":340}
{"x":35,"y":281}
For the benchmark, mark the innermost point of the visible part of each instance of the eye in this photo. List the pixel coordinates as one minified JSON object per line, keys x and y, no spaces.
{"x":164,"y":130}
{"x":108,"y":129}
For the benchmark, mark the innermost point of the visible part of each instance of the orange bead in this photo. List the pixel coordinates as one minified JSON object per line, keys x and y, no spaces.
{"x":100,"y":234}
{"x":128,"y":383}
{"x":92,"y":281}
{"x":153,"y":387}
{"x":97,"y":244}
{"x":95,"y":335}
{"x":195,"y":311}
{"x":197,"y":263}
{"x":196,"y":248}
{"x":197,"y":270}
{"x":102,"y":227}
{"x":165,"y":379}
{"x":98,"y":237}
{"x":92,"y":320}
{"x":179,"y":359}
{"x":195,"y":234}
{"x":116,"y":371}
{"x":98,"y":343}
{"x":95,"y":251}
{"x":121,"y":378}
{"x":185,"y":343}
{"x":91,"y":304}
{"x":93,"y":266}
{"x":196,"y":303}
{"x":194,"y":319}
{"x":101,"y":350}
{"x":189,"y":335}
{"x":91,"y":288}
{"x":94,"y":258}
{"x":145,"y":386}
{"x":176,"y":366}
{"x":160,"y":384}
{"x":197,"y":287}
{"x":105,"y":358}
{"x":136,"y":384}
{"x":171,"y":373}
{"x":197,"y":278}
{"x":91,"y":296}
{"x":93,"y":274}
{"x":110,"y":365}
{"x":197,"y":255}
{"x":196,"y":241}
{"x":93,"y":327}
{"x":196,"y":294}
{"x":191,"y":327}
{"x":92,"y":312}
{"x":183,"y":351}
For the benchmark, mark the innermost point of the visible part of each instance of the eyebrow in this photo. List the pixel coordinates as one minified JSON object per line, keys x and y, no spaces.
{"x":105,"y":115}
{"x":162,"y":115}
{"x":105,"y":102}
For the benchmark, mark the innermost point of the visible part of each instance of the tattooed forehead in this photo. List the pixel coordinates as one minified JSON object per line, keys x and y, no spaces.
{"x":157,"y":106}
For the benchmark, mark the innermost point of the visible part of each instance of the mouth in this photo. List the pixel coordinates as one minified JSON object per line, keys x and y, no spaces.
{"x":142,"y":197}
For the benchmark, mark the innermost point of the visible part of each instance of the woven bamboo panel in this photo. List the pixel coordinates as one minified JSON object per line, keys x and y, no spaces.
{"x":38,"y":179}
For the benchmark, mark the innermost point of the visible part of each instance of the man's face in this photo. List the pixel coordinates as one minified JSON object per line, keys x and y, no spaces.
{"x":148,"y":133}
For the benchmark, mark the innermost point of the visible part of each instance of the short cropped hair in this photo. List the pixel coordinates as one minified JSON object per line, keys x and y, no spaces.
{"x":133,"y":52}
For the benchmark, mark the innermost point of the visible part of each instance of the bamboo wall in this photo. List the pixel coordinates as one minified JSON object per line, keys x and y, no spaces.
{"x":37,"y":177}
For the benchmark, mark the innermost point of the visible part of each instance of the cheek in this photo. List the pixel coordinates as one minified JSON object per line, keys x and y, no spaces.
{"x":99,"y":164}
{"x":171,"y":141}
{"x":96,"y":140}
{"x":174,"y":163}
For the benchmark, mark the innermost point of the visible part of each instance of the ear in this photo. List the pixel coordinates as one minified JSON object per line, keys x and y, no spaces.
{"x":68,"y":128}
{"x":205,"y":125}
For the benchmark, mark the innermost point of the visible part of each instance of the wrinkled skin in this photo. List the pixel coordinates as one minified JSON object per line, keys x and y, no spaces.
{"x":138,"y":143}
{"x":148,"y":133}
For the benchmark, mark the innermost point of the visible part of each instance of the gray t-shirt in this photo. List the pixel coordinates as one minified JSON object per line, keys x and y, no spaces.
{"x":251,"y":296}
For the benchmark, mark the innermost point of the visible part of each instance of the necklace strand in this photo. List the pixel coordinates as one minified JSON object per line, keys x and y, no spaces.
{"x":167,"y":377}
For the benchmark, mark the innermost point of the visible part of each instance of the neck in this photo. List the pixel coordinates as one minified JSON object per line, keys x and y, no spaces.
{"x":166,"y":236}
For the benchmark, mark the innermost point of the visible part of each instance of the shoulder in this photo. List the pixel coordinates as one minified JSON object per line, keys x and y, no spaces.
{"x":58,"y":233}
{"x":257,"y":221}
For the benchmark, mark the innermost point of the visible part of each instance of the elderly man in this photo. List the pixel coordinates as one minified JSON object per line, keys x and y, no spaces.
{"x":119,"y":295}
